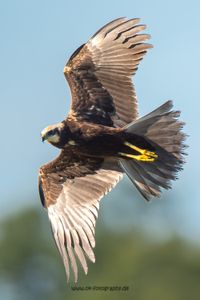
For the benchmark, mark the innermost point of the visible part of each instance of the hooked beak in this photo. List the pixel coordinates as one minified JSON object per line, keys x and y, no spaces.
{"x":43,"y":138}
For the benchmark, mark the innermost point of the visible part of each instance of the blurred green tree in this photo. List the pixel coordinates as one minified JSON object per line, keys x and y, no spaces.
{"x":30,"y":267}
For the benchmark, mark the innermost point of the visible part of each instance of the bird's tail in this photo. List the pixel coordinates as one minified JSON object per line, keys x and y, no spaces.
{"x":162,"y":130}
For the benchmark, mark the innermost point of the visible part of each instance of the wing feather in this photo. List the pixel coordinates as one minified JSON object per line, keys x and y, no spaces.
{"x":99,"y":74}
{"x":73,"y":204}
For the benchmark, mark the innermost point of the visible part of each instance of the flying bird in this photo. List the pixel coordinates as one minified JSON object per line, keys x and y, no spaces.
{"x":103,"y":137}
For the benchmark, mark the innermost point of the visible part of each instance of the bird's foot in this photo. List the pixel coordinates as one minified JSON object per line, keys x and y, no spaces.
{"x":145,"y":155}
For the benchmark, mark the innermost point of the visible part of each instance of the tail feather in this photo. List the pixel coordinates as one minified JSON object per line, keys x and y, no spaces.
{"x":138,"y":180}
{"x":163,"y":131}
{"x":155,"y":179}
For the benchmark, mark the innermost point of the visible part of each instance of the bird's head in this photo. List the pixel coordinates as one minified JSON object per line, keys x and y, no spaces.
{"x":52,"y":133}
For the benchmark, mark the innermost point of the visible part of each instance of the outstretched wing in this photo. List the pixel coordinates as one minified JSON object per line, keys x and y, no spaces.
{"x":71,"y":188}
{"x":99,"y":73}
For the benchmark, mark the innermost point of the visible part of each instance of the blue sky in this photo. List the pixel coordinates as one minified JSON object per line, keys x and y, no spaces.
{"x":37,"y":37}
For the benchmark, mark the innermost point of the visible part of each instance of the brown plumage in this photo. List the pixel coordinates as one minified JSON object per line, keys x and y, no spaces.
{"x":102,"y":138}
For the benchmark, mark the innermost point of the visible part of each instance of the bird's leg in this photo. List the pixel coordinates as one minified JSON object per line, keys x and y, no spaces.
{"x":142,"y":151}
{"x":145,"y":155}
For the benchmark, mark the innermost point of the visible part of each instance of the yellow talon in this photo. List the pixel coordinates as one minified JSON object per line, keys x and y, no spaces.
{"x":142,"y":157}
{"x":145,"y":154}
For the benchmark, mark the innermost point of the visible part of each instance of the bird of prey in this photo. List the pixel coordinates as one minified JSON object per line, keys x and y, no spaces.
{"x":103,"y":137}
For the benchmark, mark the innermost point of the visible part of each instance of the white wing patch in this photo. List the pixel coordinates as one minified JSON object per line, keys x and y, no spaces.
{"x":74,"y":215}
{"x":117,"y":50}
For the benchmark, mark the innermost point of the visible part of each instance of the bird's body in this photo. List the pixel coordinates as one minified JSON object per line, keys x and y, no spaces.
{"x":102,"y":138}
{"x":95,"y":140}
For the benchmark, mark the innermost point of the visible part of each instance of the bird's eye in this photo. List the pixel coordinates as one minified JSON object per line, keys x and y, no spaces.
{"x":51,"y":132}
